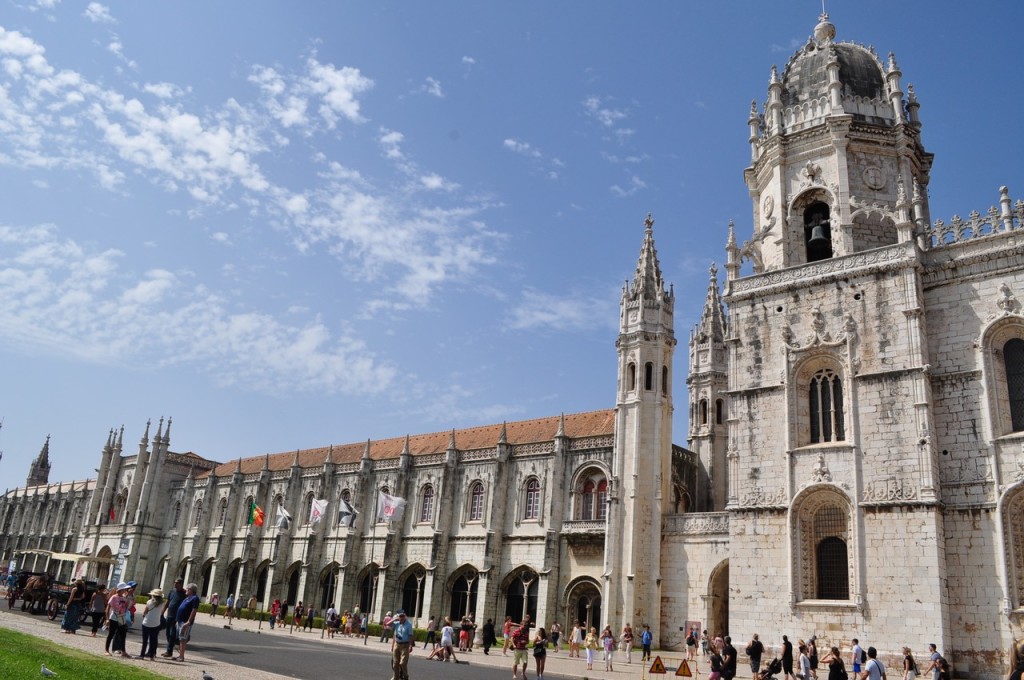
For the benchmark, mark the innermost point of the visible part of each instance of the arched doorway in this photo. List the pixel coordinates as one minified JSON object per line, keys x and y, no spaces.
{"x":233,"y":584}
{"x":412,"y":590}
{"x":328,"y":581}
{"x":103,"y":568}
{"x":204,"y":586}
{"x":718,"y":600}
{"x":463,"y":591}
{"x":366,"y":588}
{"x":583,"y":604}
{"x":261,"y":580}
{"x":521,"y":594}
{"x":293,"y":583}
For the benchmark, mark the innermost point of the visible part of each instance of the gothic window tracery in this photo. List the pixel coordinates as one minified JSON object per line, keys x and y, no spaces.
{"x":222,"y":513}
{"x":427,"y":504}
{"x":648,"y":376}
{"x":703,"y":412}
{"x":826,"y":407}
{"x":1013,"y":359}
{"x":476,"y":502}
{"x":632,"y":377}
{"x":823,"y":547}
{"x":531,"y":507}
{"x":197,"y":513}
{"x":591,"y":496}
{"x":1013,"y":529}
{"x":176,"y":516}
{"x":310,"y":497}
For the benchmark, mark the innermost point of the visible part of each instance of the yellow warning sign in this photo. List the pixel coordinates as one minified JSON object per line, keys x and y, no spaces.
{"x":657,"y":666}
{"x":684,"y":670}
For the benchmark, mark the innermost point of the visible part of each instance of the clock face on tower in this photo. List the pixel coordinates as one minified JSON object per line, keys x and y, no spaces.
{"x":768,"y":206}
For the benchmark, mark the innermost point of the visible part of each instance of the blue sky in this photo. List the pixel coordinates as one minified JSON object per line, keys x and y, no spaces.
{"x":295,"y":224}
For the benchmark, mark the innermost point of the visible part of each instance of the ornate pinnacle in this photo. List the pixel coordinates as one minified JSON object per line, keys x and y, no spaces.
{"x":774,"y":78}
{"x":561,"y":426}
{"x":503,"y":437}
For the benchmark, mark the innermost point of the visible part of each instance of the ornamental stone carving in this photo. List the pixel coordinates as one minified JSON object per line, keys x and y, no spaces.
{"x":820,"y":471}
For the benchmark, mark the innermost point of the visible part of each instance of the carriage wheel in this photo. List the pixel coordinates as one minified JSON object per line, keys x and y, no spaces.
{"x":51,"y":609}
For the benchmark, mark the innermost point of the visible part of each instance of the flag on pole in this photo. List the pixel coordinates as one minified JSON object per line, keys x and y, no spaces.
{"x":347,"y":514}
{"x":316,"y":510}
{"x":284,"y":520}
{"x":256,"y":514}
{"x":390,"y":508}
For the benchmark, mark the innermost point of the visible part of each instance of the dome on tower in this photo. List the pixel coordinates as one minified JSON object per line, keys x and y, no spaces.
{"x":861,"y":73}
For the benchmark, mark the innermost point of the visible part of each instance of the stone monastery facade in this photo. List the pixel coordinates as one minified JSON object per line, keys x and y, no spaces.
{"x":855,"y":460}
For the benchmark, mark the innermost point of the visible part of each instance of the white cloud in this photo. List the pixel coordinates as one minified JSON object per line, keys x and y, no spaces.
{"x":58,"y":298}
{"x":595,"y":108}
{"x":435,"y":182}
{"x":521,"y":147}
{"x":469,"y":61}
{"x":538,"y":310}
{"x":337,"y":88}
{"x":221,"y":237}
{"x":162,"y":90}
{"x":432,"y":86}
{"x":390,"y":141}
{"x":98,"y":14}
{"x":635,"y":184}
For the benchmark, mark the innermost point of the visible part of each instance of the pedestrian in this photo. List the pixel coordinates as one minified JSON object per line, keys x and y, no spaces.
{"x":608,"y":643}
{"x":400,"y":646}
{"x":874,"y":669}
{"x":253,"y":604}
{"x":300,"y":611}
{"x":97,"y":606}
{"x":805,"y":663}
{"x":432,"y":634}
{"x":754,"y":651}
{"x":909,"y":665}
{"x":130,"y":596}
{"x":716,"y":665}
{"x":506,"y":635}
{"x":72,"y":620}
{"x":934,"y":657}
{"x":590,"y":645}
{"x":282,"y":619}
{"x":174,"y":600}
{"x":489,"y":639}
{"x":627,"y":642}
{"x":230,"y":607}
{"x":787,"y":657}
{"x":465,"y":629}
{"x":275,"y":612}
{"x":152,"y":623}
{"x":576,"y":639}
{"x":214,"y":603}
{"x":704,"y":642}
{"x":812,"y":655}
{"x":645,"y":643}
{"x":944,"y":673}
{"x":691,"y":644}
{"x":728,"y":660}
{"x":185,"y":617}
{"x":520,"y":642}
{"x":472,"y":631}
{"x":310,"y":614}
{"x":836,"y":667}
{"x":117,"y":610}
{"x":540,"y":653}
{"x":385,"y":630}
{"x":332,"y":620}
{"x":448,"y":641}
{"x":858,"y":657}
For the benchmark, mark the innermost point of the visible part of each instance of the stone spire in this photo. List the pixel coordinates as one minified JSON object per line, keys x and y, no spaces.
{"x":712,"y":324}
{"x":503,"y":437}
{"x":561,"y":426}
{"x":39,"y":472}
{"x":647,"y":281}
{"x":167,"y":432}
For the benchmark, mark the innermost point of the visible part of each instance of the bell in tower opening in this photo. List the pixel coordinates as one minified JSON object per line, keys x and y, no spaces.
{"x":817,"y":232}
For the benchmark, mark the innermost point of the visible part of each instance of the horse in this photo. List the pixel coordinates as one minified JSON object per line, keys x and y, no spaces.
{"x":36,"y":593}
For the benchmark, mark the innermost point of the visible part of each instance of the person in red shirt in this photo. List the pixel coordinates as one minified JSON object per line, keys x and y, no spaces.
{"x":520,"y":642}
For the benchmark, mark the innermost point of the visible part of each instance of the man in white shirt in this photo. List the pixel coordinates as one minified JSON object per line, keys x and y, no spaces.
{"x":874,"y":670}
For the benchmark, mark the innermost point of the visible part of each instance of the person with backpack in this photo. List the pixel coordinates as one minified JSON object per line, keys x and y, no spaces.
{"x":754,"y":651}
{"x":691,"y":644}
{"x":874,"y":669}
{"x":934,"y":657}
{"x":646,"y":638}
{"x":859,"y":657}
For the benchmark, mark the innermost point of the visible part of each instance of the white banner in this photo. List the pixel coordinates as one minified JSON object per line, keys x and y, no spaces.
{"x":317,"y":510}
{"x":390,"y":508}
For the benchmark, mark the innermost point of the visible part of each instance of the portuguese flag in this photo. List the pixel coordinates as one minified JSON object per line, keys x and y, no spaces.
{"x":256,"y":514}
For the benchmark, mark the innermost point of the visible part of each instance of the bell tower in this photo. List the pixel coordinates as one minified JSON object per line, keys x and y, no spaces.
{"x":641,"y":466}
{"x":829,"y":149}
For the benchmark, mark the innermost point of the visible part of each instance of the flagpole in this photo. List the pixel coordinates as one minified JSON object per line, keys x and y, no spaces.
{"x":373,"y":547}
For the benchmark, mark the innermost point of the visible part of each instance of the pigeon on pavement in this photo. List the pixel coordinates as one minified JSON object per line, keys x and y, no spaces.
{"x":46,"y":672}
{"x":207,"y":676}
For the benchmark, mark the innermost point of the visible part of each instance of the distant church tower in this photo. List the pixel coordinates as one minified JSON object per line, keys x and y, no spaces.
{"x":708,"y":382}
{"x":831,"y":448}
{"x":39,"y":472}
{"x":642,"y":472}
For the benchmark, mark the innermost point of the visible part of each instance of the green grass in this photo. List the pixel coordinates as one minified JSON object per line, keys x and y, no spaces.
{"x":21,"y":656}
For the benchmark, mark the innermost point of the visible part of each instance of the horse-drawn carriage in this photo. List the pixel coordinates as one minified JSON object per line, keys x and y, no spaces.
{"x":60,"y":594}
{"x":32,"y":588}
{"x":39,"y":590}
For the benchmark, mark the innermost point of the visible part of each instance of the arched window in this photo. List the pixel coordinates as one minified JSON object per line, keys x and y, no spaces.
{"x":591,"y":497}
{"x":817,"y":232}
{"x":1013,"y":356}
{"x":246,"y":509}
{"x":532,"y":505}
{"x":310,"y":497}
{"x":347,"y":495}
{"x":703,"y":412}
{"x":380,"y":516}
{"x":664,"y":380}
{"x":476,"y":502}
{"x":176,"y":515}
{"x":197,"y":514}
{"x":222,"y":513}
{"x":427,"y":504}
{"x":648,"y":376}
{"x":823,"y":535}
{"x":826,"y":407}
{"x":1013,"y":522}
{"x":632,"y":377}
{"x":719,"y":412}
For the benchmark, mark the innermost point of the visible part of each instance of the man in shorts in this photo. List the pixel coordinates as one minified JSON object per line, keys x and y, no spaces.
{"x":520,"y":642}
{"x":858,"y":654}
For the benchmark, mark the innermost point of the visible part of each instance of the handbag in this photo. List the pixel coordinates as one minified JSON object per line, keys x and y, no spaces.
{"x":117,"y":618}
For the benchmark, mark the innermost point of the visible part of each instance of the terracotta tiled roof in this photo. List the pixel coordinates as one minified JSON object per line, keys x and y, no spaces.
{"x":590,"y":424}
